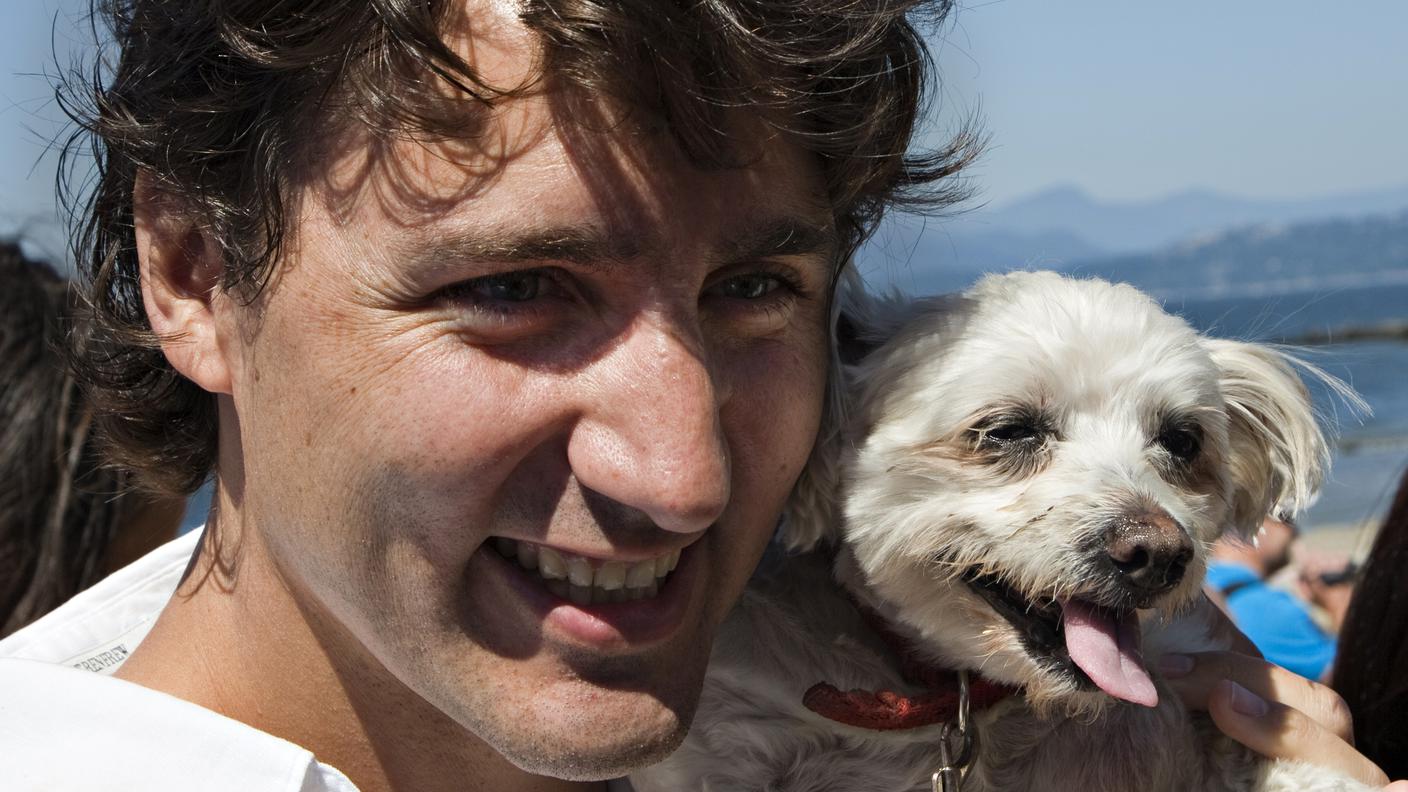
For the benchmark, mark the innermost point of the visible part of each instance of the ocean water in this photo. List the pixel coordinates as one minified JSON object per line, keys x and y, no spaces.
{"x":1372,"y":450}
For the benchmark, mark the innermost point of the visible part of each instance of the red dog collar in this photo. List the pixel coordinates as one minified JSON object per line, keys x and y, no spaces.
{"x":886,"y":710}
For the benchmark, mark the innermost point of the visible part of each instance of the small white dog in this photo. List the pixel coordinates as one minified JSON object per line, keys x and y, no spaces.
{"x":1021,"y":482}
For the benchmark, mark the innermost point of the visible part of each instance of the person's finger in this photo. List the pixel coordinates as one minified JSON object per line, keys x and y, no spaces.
{"x":1280,"y":732}
{"x":1397,"y":786}
{"x":1195,"y":679}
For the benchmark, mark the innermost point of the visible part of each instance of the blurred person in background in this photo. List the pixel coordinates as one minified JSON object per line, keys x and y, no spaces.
{"x":1372,"y":671}
{"x":1278,"y":622}
{"x":66,"y":519}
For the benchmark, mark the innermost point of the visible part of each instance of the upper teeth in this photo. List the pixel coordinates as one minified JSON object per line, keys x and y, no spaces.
{"x":577,"y":579}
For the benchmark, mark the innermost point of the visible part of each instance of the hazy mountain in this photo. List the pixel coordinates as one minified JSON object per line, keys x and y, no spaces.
{"x":908,"y":251}
{"x":1145,"y":225}
{"x":1269,"y":259}
{"x":1249,"y":261}
{"x":1063,"y":228}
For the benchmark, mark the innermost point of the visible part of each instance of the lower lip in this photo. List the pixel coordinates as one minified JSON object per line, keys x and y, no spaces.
{"x":627,"y":624}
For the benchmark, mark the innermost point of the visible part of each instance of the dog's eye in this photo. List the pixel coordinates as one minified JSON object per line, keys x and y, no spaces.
{"x":1013,"y":432}
{"x":1183,"y":444}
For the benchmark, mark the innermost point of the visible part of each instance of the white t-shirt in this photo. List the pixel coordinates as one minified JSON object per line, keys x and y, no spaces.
{"x":66,"y":724}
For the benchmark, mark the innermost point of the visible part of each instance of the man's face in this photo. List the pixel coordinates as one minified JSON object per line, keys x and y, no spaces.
{"x":558,"y":340}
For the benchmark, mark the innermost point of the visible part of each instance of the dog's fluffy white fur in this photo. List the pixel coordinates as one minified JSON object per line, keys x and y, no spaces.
{"x":920,"y":485}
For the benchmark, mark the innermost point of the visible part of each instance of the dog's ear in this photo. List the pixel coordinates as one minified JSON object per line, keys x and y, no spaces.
{"x":811,"y":511}
{"x":811,"y":517}
{"x":861,"y":323}
{"x":853,"y":342}
{"x":1277,"y":452}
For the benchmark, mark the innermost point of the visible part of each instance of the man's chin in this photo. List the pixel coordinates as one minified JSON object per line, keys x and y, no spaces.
{"x":612,"y":740}
{"x":601,"y":764}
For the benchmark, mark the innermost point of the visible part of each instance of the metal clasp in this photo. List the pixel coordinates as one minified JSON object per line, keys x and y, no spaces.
{"x":955,"y":745}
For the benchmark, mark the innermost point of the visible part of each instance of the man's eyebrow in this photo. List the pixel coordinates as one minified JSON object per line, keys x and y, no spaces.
{"x":584,"y":245}
{"x":591,"y":246}
{"x":780,"y":236}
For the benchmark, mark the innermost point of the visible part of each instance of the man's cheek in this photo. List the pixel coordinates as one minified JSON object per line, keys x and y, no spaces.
{"x":414,"y":514}
{"x":775,"y":429}
{"x":393,"y":558}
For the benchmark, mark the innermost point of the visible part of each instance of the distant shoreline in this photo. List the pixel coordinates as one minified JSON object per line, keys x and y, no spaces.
{"x":1386,"y":331}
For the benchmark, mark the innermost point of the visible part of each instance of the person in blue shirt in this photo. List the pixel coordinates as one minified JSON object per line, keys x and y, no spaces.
{"x":1278,"y":622}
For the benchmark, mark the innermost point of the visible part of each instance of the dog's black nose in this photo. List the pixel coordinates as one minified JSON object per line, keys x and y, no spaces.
{"x":1149,"y":550}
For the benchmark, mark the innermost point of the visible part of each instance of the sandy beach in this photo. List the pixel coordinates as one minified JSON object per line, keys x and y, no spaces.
{"x":1351,"y":539}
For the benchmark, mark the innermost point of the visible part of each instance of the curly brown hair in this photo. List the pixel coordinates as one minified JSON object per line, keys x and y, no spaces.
{"x":218,"y":100}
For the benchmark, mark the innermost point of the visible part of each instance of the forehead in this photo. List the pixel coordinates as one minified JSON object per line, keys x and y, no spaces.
{"x":556,"y":156}
{"x":533,"y":167}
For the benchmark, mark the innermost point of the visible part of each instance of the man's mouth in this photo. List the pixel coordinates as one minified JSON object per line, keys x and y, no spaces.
{"x":1095,"y":645}
{"x":590,"y":581}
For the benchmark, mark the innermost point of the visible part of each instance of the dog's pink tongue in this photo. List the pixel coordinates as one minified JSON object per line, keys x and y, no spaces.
{"x":1108,"y":652}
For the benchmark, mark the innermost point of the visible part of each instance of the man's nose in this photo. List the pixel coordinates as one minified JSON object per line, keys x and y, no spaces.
{"x":650,"y":435}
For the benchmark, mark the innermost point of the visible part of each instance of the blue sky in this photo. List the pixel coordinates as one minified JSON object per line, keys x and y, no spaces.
{"x":1128,"y":100}
{"x":29,"y":119}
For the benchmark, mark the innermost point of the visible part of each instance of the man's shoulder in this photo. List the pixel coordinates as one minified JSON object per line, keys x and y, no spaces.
{"x":99,"y":627}
{"x":67,"y":728}
{"x":66,"y":724}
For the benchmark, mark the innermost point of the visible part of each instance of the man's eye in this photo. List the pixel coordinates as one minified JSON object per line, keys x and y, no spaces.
{"x":749,"y":287}
{"x":507,"y":287}
{"x":515,"y":292}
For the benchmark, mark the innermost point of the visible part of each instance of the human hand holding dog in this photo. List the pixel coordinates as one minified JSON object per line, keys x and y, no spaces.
{"x":1272,"y":711}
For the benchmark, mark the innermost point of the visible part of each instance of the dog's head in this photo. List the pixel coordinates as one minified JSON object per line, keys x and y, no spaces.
{"x":1022,"y":469}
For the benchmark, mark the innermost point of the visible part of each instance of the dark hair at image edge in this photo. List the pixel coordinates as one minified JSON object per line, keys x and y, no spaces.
{"x":59,"y":505}
{"x":1371,"y":663}
{"x":218,"y":101}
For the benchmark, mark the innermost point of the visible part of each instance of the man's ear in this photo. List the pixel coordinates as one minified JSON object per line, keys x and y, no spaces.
{"x":180,"y":272}
{"x":1277,"y":453}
